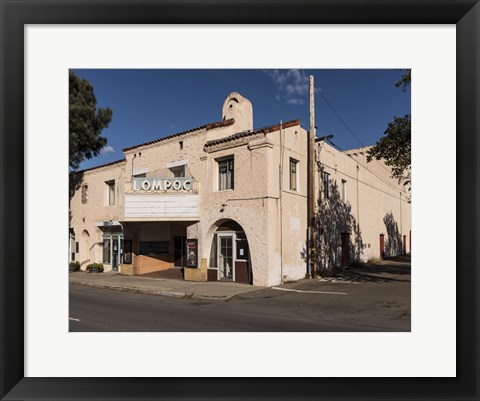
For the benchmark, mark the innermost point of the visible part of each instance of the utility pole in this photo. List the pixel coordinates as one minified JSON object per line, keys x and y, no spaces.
{"x":311,"y":181}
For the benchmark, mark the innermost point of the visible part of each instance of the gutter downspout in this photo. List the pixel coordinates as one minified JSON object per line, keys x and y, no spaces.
{"x":280,"y":167}
{"x":133,"y":158}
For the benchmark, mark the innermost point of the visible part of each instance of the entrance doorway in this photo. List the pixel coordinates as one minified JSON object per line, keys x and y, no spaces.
{"x":225,"y":257}
{"x":115,"y":253}
{"x":112,"y":251}
{"x":229,"y":254}
{"x":179,"y":251}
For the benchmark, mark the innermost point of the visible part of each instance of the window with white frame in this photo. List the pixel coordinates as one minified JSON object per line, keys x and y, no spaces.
{"x":178,"y":171}
{"x":293,"y":174}
{"x":225,"y":174}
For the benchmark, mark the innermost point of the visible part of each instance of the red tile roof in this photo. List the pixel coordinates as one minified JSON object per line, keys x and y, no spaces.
{"x":208,"y":126}
{"x":101,"y":165}
{"x":264,"y":130}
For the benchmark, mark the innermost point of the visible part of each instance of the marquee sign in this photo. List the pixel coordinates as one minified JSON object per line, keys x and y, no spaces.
{"x":162,"y":184}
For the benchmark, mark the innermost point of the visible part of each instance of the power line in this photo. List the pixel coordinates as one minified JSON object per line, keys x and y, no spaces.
{"x":371,"y":172}
{"x":346,"y":125}
{"x":233,"y":81}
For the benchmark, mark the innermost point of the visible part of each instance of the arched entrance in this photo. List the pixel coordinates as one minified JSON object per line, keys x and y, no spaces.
{"x":229,"y":254}
{"x":84,"y":251}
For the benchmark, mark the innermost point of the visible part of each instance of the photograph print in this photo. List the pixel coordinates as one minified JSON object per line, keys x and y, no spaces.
{"x":240,"y":200}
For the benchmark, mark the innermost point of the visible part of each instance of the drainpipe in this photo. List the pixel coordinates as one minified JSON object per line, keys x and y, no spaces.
{"x":134,"y":156}
{"x":358,"y":200}
{"x":280,"y":167}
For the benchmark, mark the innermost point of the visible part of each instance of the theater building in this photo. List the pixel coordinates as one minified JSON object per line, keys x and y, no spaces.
{"x":226,"y":201}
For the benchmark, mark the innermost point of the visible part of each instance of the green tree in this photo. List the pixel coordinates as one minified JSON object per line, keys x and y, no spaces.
{"x":86,"y":122}
{"x":404,"y":82}
{"x":394,"y":147}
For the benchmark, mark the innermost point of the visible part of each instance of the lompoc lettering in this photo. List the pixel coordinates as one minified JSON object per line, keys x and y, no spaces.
{"x":162,"y":184}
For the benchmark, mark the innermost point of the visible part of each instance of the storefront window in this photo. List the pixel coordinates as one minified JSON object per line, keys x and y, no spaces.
{"x":153,"y":247}
{"x":242,"y":247}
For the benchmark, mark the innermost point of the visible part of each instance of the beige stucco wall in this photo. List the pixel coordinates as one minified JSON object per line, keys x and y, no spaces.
{"x":83,"y":217}
{"x":375,"y":204}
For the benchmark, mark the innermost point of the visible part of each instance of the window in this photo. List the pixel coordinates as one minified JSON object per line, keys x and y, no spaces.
{"x":344,"y":190}
{"x":180,"y":145}
{"x":225,"y":174}
{"x":111,"y":192}
{"x":213,"y":252}
{"x":326,"y":185}
{"x":140,"y":172}
{"x":293,"y":174}
{"x":178,"y":171}
{"x":84,"y":193}
{"x":242,"y":247}
{"x":153,"y":247}
{"x":72,"y":248}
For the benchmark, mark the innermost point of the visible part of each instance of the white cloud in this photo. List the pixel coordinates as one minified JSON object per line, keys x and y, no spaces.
{"x":295,"y":101}
{"x":291,"y":85}
{"x":107,"y":149}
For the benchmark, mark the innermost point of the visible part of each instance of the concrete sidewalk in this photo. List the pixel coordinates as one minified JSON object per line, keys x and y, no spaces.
{"x":164,"y":287}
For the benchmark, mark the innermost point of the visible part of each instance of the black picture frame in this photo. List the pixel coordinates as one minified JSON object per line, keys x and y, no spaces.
{"x":16,"y":14}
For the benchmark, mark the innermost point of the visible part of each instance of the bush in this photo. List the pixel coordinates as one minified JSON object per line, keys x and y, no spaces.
{"x":74,"y":266}
{"x":95,"y":267}
{"x":374,"y":261}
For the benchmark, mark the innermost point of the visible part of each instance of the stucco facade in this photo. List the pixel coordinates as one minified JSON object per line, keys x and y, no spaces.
{"x":227,"y":202}
{"x":363,"y":209}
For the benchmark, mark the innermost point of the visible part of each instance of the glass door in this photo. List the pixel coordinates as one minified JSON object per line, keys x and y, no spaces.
{"x":115,"y":253}
{"x":225,"y":256}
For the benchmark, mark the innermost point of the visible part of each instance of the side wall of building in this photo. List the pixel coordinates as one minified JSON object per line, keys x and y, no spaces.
{"x":90,"y":210}
{"x":291,"y":208}
{"x":363,"y":202}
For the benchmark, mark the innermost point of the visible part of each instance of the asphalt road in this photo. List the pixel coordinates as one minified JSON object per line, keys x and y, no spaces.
{"x":372,"y":301}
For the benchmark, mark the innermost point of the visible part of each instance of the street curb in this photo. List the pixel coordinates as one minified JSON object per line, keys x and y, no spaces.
{"x":133,"y":289}
{"x":172,"y":294}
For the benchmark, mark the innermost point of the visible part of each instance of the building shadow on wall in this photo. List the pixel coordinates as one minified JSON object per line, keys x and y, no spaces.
{"x":338,"y":235}
{"x":393,"y":240}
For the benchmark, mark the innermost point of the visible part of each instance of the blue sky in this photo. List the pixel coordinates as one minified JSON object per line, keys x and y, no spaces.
{"x":151,"y":104}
